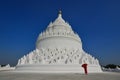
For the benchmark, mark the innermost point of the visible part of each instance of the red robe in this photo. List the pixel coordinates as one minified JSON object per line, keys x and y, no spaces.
{"x":85,"y":68}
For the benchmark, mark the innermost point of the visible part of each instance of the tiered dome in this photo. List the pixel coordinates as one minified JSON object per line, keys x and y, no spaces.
{"x":59,"y":34}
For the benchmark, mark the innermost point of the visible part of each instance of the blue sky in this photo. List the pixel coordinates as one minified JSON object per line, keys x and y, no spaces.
{"x":96,"y":21}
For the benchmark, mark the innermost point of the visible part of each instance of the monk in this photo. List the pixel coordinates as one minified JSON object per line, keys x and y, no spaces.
{"x":85,"y":68}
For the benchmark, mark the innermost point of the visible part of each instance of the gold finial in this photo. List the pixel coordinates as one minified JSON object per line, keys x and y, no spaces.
{"x":60,"y":12}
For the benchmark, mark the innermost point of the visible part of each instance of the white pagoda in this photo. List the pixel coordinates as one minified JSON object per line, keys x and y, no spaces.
{"x":58,"y":49}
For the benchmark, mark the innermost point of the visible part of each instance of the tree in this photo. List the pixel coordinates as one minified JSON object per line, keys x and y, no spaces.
{"x":112,"y":66}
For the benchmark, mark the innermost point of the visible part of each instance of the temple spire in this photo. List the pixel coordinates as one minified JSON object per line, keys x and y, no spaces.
{"x":59,"y":20}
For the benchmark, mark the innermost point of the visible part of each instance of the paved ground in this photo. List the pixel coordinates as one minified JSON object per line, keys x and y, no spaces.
{"x":5,"y":75}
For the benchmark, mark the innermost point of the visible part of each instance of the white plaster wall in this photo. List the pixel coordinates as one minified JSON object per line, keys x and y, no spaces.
{"x":58,"y":68}
{"x":59,"y":42}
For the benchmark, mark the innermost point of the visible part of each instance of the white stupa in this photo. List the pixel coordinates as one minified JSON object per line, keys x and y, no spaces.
{"x":58,"y":49}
